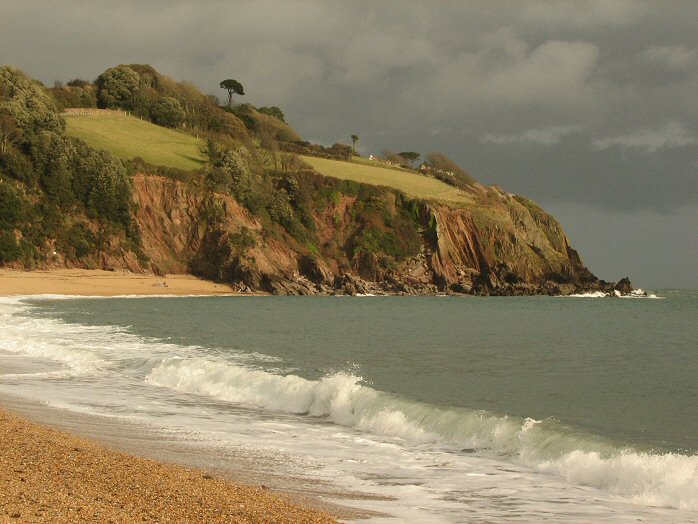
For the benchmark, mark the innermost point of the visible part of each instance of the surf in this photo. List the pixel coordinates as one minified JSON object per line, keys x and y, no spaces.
{"x":345,"y":399}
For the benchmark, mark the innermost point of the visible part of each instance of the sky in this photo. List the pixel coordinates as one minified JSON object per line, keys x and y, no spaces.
{"x":588,"y":107}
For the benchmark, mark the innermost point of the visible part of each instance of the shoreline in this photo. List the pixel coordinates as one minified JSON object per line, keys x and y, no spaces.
{"x":45,"y":480}
{"x":101,"y":283}
{"x":49,"y":475}
{"x":64,"y":466}
{"x":119,"y":283}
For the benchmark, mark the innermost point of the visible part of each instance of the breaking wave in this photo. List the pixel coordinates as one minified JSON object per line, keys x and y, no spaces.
{"x":654,"y":479}
{"x":547,"y":445}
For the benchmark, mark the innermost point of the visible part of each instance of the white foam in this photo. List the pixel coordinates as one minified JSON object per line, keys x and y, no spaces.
{"x":654,"y":480}
{"x":343,"y":399}
{"x":635,"y":293}
{"x":640,"y":293}
{"x":670,"y":480}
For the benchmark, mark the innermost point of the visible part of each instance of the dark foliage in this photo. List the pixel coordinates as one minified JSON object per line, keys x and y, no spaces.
{"x":53,"y":185}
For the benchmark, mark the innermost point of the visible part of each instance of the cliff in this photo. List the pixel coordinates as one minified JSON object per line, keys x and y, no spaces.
{"x":504,"y":244}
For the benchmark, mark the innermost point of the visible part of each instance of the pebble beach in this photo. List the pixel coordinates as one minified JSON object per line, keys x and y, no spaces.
{"x":47,"y":475}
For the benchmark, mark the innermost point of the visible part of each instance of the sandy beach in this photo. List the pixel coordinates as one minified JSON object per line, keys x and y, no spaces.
{"x":48,"y":475}
{"x":95,"y":282}
{"x":51,"y":476}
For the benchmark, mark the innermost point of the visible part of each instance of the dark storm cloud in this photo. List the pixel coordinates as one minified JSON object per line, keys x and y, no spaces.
{"x":591,"y":103}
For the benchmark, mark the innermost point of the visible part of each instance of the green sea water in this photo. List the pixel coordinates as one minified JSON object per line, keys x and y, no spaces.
{"x":621,"y":368}
{"x":443,"y":409}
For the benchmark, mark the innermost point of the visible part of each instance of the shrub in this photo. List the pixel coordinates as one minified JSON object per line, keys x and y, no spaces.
{"x":11,"y":206}
{"x":80,"y":240}
{"x":16,"y":165}
{"x":280,"y":210}
{"x":31,"y":108}
{"x":9,"y":249}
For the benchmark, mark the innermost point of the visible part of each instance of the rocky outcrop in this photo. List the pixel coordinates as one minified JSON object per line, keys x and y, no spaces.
{"x":502,"y":244}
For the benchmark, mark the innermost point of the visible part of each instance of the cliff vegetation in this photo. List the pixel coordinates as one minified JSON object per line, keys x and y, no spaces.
{"x":138,"y":172}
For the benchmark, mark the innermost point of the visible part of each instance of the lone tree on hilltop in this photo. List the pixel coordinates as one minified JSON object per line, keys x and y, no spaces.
{"x":232,"y":86}
{"x":410,"y":156}
{"x":354,"y":140}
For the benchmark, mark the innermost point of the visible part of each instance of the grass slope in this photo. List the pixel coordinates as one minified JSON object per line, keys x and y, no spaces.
{"x":411,"y":184}
{"x":129,"y":137}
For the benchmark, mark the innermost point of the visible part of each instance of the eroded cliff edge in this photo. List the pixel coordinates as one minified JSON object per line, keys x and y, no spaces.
{"x":502,"y":244}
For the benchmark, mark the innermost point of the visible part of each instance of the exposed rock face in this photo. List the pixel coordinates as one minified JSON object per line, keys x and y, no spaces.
{"x":501,"y":245}
{"x":507,"y":246}
{"x":187,"y":229}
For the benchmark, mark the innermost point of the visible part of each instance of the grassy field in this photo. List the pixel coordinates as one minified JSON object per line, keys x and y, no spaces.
{"x":411,"y":184}
{"x":129,"y":137}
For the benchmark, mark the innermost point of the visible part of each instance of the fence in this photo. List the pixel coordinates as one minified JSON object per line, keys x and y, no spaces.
{"x":90,"y":111}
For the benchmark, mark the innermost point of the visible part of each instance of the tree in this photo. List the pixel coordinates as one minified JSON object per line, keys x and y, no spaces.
{"x":442,"y":164}
{"x":273,"y":111}
{"x":267,"y":139}
{"x":232,"y":86}
{"x":354,"y":140}
{"x":28,"y":104}
{"x":117,"y":87}
{"x":11,"y":206}
{"x":392,"y":157}
{"x":410,"y":156}
{"x":78,"y":82}
{"x":9,"y":250}
{"x":168,"y":112}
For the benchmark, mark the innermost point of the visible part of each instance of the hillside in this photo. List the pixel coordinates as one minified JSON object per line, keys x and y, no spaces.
{"x":128,"y":137}
{"x":242,"y":208}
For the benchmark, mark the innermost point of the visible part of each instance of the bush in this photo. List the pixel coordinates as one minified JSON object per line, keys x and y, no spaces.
{"x":80,"y":240}
{"x":280,"y":209}
{"x":273,"y":111}
{"x":9,"y":249}
{"x":30,"y":107}
{"x":16,"y":165}
{"x":11,"y":206}
{"x":231,"y":171}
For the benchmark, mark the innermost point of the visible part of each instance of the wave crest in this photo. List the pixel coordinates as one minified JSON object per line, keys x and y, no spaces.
{"x":548,"y":446}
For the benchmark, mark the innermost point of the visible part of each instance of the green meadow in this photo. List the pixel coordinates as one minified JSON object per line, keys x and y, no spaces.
{"x":411,"y":184}
{"x":129,"y":137}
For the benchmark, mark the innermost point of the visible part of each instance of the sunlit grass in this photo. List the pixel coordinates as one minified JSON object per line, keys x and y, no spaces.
{"x":129,"y":137}
{"x":411,"y":184}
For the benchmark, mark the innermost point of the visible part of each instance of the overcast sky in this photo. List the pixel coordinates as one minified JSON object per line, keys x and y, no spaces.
{"x":589,"y":108}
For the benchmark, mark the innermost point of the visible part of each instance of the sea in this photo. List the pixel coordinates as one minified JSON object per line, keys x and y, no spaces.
{"x":412,"y":409}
